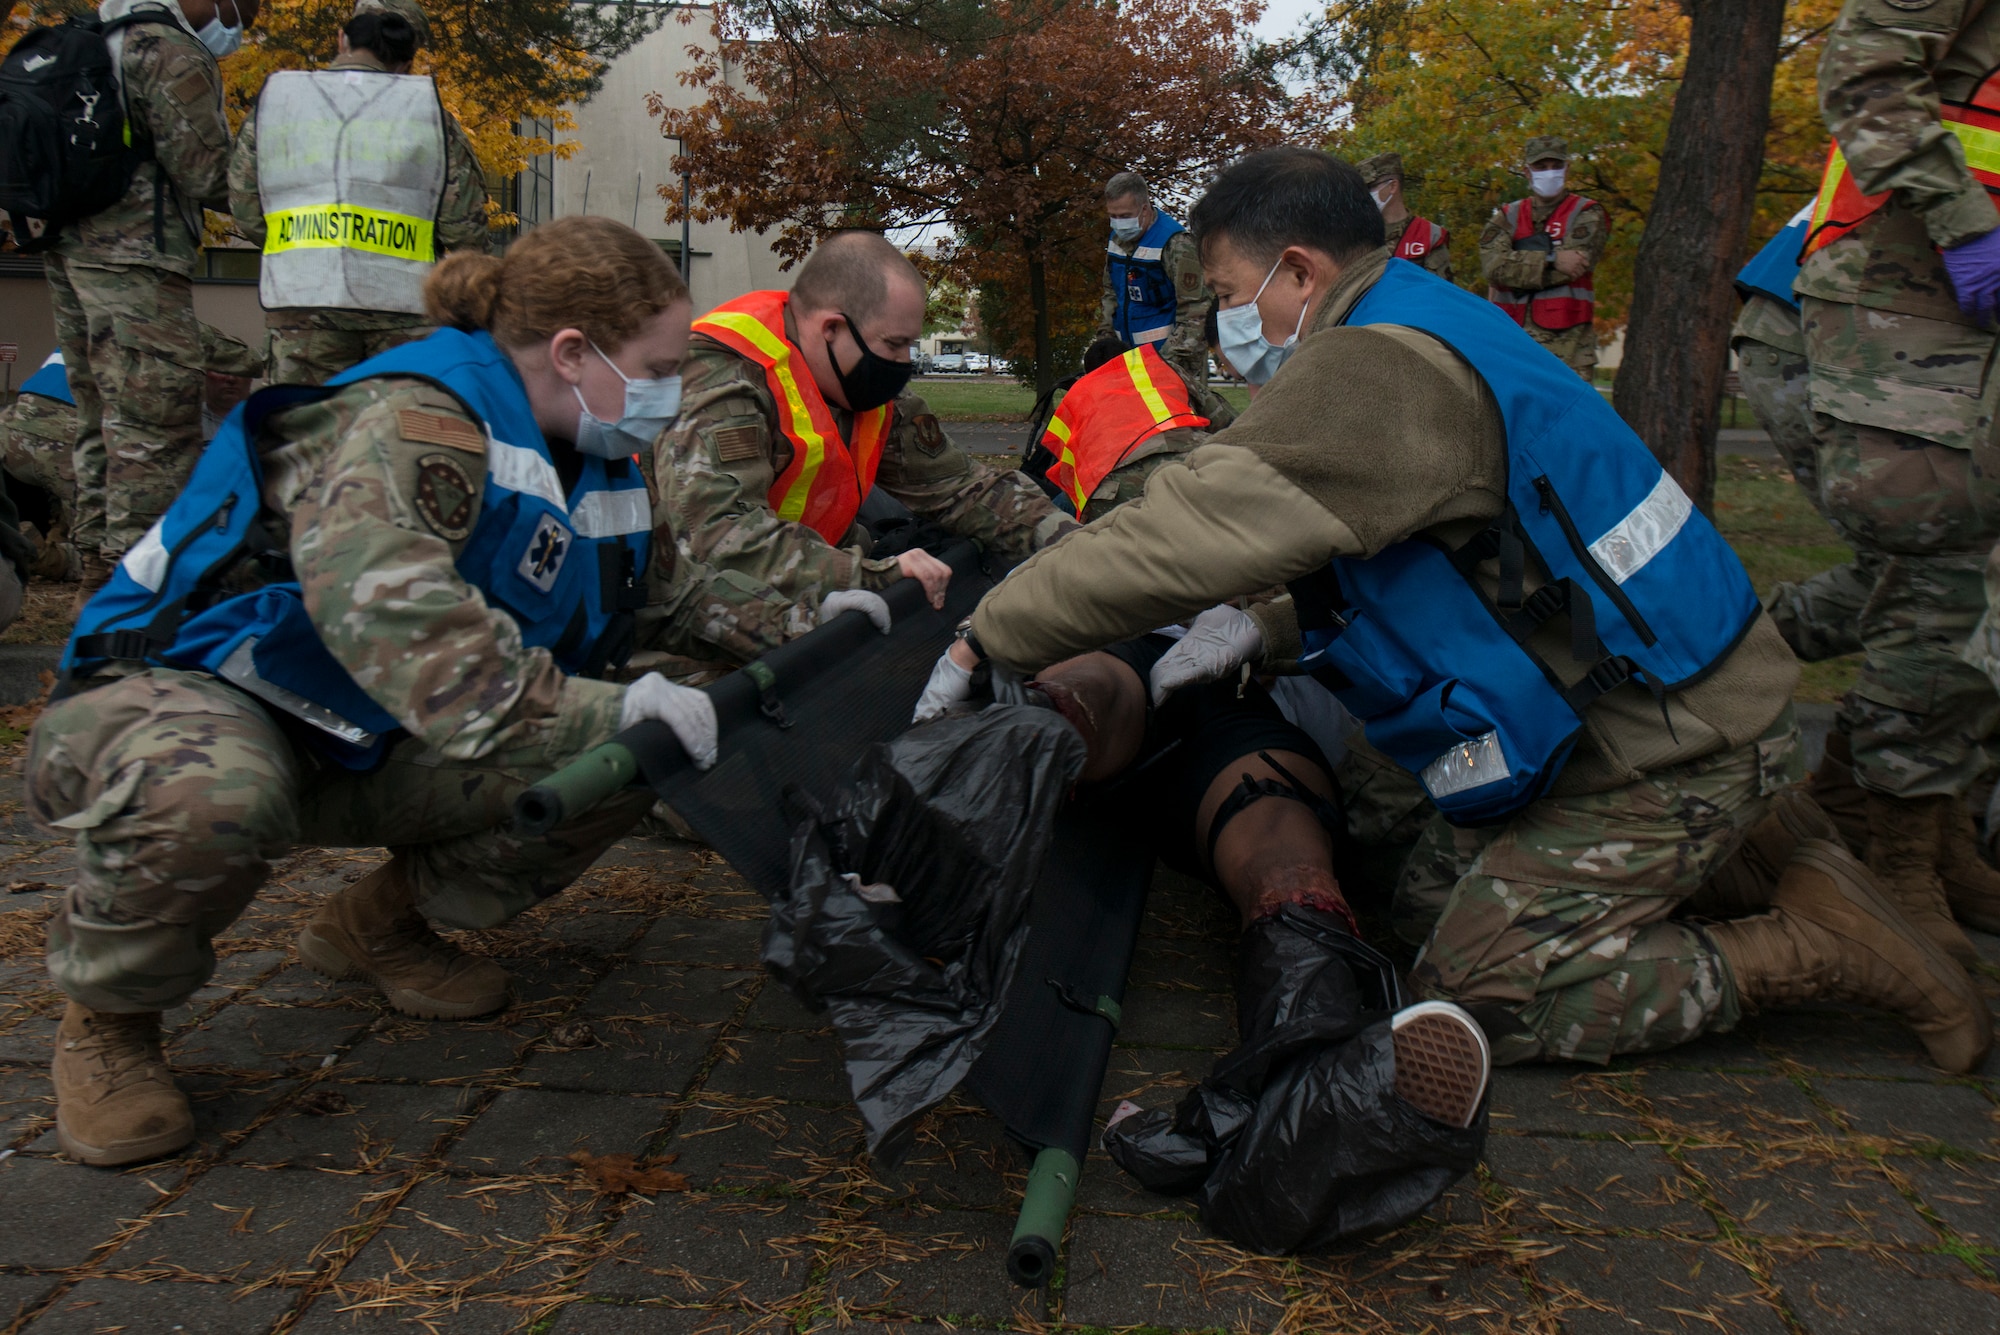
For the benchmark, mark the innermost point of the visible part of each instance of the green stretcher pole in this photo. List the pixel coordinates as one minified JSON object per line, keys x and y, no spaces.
{"x":592,"y":778}
{"x":1045,"y":1207}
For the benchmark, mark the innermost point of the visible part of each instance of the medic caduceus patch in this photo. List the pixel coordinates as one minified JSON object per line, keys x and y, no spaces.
{"x":542,"y":563}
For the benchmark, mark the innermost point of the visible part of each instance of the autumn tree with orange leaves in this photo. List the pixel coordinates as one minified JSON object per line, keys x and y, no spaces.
{"x":1000,"y":121}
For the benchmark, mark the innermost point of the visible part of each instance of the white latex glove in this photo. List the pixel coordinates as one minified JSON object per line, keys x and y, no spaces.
{"x":1218,"y":642}
{"x":690,"y":713}
{"x":855,"y":600}
{"x":949,"y":684}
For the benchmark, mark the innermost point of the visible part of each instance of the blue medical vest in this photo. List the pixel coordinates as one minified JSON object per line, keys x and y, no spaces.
{"x":567,"y":567}
{"x":1443,"y":677}
{"x":1774,"y":269}
{"x":51,"y":380}
{"x":1146,"y":300}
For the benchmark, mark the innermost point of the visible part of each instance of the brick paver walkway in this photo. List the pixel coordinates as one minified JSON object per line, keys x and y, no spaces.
{"x":358,"y":1170}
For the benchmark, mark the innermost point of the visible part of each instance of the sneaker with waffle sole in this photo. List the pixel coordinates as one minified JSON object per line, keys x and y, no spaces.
{"x":1442,"y":1061}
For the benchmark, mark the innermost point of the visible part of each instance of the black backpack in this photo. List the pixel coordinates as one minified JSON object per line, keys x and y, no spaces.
{"x":64,"y":144}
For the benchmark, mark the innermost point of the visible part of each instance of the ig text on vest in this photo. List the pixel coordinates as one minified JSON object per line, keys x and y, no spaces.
{"x":1146,"y":300}
{"x":51,"y":380}
{"x":1772,"y":270}
{"x":566,"y":568}
{"x":1564,"y":306}
{"x":828,"y":478}
{"x":1419,"y":239}
{"x":351,"y":168}
{"x":1444,"y":678}
{"x":1840,"y":207}
{"x":1109,"y":413}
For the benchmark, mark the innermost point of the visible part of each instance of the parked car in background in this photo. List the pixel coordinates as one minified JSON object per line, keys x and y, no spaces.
{"x":978,"y":361}
{"x":946,"y":362}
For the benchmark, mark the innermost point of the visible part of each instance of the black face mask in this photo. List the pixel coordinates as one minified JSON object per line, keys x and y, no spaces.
{"x":875,"y":379}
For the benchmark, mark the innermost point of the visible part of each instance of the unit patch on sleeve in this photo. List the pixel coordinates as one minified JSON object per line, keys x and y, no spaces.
{"x":542,"y":563}
{"x":929,"y":435}
{"x":445,"y":497}
{"x":424,"y":428}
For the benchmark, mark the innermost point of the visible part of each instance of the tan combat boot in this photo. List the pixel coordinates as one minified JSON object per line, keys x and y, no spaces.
{"x":1838,"y":795}
{"x":115,"y":1098}
{"x":1745,"y":883}
{"x":372,"y":930}
{"x":96,"y":573}
{"x":1905,"y":848}
{"x":1832,"y":936}
{"x":1971,"y":887}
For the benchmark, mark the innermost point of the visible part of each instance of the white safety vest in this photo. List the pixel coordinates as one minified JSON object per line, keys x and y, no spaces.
{"x":351,"y":169}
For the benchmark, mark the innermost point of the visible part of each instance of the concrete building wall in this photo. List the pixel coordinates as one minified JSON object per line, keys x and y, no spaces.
{"x":621,"y":162}
{"x":27,"y":319}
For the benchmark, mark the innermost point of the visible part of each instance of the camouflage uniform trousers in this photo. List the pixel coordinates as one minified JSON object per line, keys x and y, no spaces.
{"x":39,"y":448}
{"x":134,"y":354}
{"x":1819,"y":617}
{"x":1577,"y":346}
{"x":312,"y":354}
{"x":181,"y":790}
{"x":1919,"y":713}
{"x":1558,"y":918}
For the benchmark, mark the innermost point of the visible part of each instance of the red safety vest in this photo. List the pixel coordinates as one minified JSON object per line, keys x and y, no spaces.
{"x":824,"y":484}
{"x":1419,"y":239}
{"x":1841,"y":207}
{"x":1109,"y":413}
{"x":1554,"y":308}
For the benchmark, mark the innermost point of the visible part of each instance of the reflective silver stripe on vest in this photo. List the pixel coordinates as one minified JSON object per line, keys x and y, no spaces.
{"x":355,"y":139}
{"x":1645,"y":532}
{"x":612,"y":514}
{"x":1472,"y":764}
{"x":1144,"y":336}
{"x":146,"y":561}
{"x":522,"y":470}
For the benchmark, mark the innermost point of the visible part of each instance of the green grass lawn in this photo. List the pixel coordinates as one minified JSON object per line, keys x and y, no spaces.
{"x":1780,"y":537}
{"x":960,"y":400}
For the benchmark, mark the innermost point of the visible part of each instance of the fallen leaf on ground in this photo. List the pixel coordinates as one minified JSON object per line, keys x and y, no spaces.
{"x":617,"y":1174}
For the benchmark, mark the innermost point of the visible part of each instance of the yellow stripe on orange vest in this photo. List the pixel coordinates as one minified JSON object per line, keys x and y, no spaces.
{"x":793,"y":506}
{"x":1142,"y":380}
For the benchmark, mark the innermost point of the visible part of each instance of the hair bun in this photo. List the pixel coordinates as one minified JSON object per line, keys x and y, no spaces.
{"x":464,"y":291}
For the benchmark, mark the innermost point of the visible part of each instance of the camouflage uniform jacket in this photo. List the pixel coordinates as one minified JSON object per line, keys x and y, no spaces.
{"x":378,"y":488}
{"x":1437,"y":259}
{"x":1187,"y":346}
{"x":1369,"y":436}
{"x":173,"y":100}
{"x":461,"y":219}
{"x":1886,"y":65}
{"x":715,"y":467}
{"x":1530,"y":270}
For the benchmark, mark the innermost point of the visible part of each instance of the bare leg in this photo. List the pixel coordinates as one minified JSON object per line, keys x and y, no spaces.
{"x":1103,"y":698}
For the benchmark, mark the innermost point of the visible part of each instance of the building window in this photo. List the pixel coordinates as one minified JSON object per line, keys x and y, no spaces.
{"x":535,"y":185}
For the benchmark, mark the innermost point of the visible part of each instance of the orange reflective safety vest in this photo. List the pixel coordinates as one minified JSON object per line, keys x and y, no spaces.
{"x":1106,"y":414}
{"x":828,"y":477}
{"x":1841,"y":207}
{"x":1419,"y":239}
{"x":1554,"y":308}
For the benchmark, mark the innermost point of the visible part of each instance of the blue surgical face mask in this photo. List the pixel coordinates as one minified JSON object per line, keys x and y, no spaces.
{"x":1127,"y":229}
{"x":220,"y":40}
{"x":1240,"y":330}
{"x":650,"y":407}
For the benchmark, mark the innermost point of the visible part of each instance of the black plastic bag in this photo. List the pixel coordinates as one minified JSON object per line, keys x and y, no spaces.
{"x":908,"y":903}
{"x":1298,"y":1139}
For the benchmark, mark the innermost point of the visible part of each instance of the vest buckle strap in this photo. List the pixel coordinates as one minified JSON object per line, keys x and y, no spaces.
{"x":768,"y":703}
{"x":118,"y":646}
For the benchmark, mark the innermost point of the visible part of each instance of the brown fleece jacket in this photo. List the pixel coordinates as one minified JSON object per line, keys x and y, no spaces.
{"x":1368,"y":436}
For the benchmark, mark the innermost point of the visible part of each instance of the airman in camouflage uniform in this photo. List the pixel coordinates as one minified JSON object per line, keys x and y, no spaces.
{"x":1819,"y":617}
{"x":1383,"y":175}
{"x":1185,"y":347}
{"x":38,"y":439}
{"x":121,"y":285}
{"x":1904,"y":434}
{"x":1533,"y":271}
{"x":309,"y":346}
{"x":714,"y":471}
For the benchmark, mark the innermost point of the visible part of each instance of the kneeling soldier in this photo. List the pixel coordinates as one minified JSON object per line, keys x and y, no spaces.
{"x":369,"y":620}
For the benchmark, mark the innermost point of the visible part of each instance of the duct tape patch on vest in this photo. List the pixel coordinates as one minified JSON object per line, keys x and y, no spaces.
{"x":543,"y":561}
{"x":444,"y":497}
{"x":348,"y":227}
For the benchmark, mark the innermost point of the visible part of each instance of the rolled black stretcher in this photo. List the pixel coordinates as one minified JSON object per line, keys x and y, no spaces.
{"x":798,"y":718}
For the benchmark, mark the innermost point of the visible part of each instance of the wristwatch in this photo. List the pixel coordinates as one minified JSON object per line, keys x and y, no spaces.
{"x":971,"y":641}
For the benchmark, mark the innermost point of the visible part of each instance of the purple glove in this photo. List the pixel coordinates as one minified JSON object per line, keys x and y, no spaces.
{"x":1974,"y":267}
